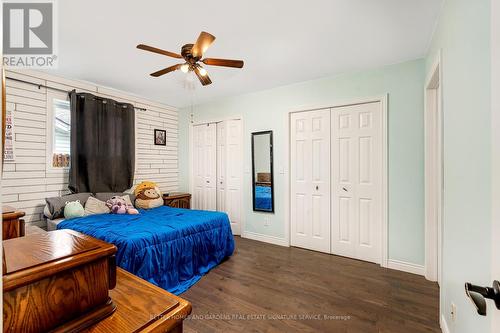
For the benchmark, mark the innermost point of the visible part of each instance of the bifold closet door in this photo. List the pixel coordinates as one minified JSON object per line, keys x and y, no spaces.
{"x":221,"y":166}
{"x":357,"y":181}
{"x":204,"y":167}
{"x":310,"y":180}
{"x":234,"y":173}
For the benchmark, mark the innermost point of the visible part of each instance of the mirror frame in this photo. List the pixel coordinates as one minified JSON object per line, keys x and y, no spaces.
{"x":271,"y":170}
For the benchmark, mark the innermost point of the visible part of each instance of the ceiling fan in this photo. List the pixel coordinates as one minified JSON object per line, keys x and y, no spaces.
{"x":192,"y":54}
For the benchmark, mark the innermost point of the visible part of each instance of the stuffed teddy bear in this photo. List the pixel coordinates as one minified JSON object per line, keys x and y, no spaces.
{"x":73,"y":209}
{"x":118,"y":205}
{"x":148,"y":195}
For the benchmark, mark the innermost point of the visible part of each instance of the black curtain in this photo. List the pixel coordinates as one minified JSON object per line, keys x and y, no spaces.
{"x":102,"y":154}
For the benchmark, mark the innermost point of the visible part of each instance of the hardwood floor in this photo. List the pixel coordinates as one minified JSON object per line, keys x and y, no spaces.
{"x":268,"y":288}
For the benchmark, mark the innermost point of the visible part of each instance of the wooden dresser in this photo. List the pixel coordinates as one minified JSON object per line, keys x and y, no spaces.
{"x":142,"y":307}
{"x":12,"y":224}
{"x":56,"y":281}
{"x":138,"y":305}
{"x":177,"y":200}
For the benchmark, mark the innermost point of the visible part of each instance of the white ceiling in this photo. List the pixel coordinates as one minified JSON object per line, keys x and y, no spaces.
{"x":281,"y":41}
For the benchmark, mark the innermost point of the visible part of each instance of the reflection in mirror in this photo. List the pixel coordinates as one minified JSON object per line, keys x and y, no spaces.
{"x":262,"y":171}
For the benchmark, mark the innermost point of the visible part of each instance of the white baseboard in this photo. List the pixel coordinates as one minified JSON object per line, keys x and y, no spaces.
{"x":443,"y":324}
{"x":406,"y":267}
{"x":265,"y":238}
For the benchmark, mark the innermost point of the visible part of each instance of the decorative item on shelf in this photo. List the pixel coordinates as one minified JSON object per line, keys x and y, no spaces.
{"x":60,"y":160}
{"x":160,"y":137}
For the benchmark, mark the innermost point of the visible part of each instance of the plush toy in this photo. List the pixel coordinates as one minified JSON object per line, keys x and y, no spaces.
{"x":73,"y":209}
{"x":148,"y":195}
{"x":118,"y":205}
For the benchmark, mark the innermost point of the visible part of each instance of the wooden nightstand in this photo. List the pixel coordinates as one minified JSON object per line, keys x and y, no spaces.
{"x":177,"y":200}
{"x":12,"y":225}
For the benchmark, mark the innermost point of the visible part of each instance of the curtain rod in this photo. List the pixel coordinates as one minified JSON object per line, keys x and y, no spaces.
{"x":62,"y":90}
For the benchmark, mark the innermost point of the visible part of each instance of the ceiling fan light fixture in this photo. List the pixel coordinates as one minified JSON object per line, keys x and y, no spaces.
{"x":185,"y":68}
{"x":203,"y":71}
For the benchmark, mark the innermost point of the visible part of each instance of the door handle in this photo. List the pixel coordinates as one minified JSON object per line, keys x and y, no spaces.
{"x":478,"y":294}
{"x":345,"y":189}
{"x":317,"y":187}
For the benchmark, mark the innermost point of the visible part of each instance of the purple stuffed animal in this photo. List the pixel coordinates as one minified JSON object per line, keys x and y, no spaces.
{"x":118,"y":205}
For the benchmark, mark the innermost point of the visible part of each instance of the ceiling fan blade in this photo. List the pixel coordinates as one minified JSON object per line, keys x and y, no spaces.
{"x":159,"y":51}
{"x":202,"y":43}
{"x":166,"y":70}
{"x":223,"y":62}
{"x":205,"y":80}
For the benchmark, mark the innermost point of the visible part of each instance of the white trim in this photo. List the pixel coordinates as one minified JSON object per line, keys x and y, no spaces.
{"x":443,"y":324}
{"x":433,"y":153}
{"x":385,"y":190}
{"x":406,"y":267}
{"x":286,"y":176}
{"x":216,"y":120}
{"x":265,"y":238}
{"x":49,"y":135}
{"x":495,"y":155}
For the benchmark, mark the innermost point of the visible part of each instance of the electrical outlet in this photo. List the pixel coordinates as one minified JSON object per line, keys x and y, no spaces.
{"x":453,"y":312}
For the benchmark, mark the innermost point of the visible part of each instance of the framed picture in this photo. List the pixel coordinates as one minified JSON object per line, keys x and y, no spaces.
{"x":160,"y":137}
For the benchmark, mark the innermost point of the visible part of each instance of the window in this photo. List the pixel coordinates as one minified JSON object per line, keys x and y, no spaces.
{"x":60,"y":131}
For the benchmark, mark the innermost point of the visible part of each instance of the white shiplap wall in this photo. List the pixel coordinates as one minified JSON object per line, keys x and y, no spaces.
{"x":28,"y":180}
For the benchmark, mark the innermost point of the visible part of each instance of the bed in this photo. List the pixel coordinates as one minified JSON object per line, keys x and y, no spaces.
{"x":263,"y":197}
{"x":169,"y":247}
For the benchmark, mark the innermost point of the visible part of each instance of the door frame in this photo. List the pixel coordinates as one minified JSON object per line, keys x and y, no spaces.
{"x":433,"y":148}
{"x":383,"y":99}
{"x":495,"y":156}
{"x":193,"y":123}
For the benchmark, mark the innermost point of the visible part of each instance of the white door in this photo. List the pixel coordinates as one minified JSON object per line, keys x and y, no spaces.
{"x":221,"y":167}
{"x":204,"y":167}
{"x":234,"y":173}
{"x":310,"y":180}
{"x":357,"y":181}
{"x":198,"y":167}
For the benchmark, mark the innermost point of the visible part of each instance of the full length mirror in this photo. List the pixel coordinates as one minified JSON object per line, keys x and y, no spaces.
{"x":262,"y":171}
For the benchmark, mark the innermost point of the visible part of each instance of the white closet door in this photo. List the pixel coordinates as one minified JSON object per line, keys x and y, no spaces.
{"x":221,"y":167}
{"x":357,"y":181}
{"x":210,"y":150}
{"x":234,"y":173}
{"x":198,"y":166}
{"x":310,"y":180}
{"x":204,"y":167}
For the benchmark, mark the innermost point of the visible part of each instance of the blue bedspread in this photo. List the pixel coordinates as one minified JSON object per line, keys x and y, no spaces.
{"x":169,"y":247}
{"x":263,"y":197}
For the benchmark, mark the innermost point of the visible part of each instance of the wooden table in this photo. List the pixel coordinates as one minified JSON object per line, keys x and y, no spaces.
{"x":142,"y":307}
{"x":177,"y":200}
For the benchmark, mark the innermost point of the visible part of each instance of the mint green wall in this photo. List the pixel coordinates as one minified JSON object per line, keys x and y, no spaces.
{"x":463,"y":36}
{"x":267,"y":110}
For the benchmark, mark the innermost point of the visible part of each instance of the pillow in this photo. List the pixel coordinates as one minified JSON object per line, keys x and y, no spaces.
{"x":73,"y":209}
{"x":105,"y":196}
{"x":55,"y":206}
{"x":148,"y":195}
{"x":95,"y":206}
